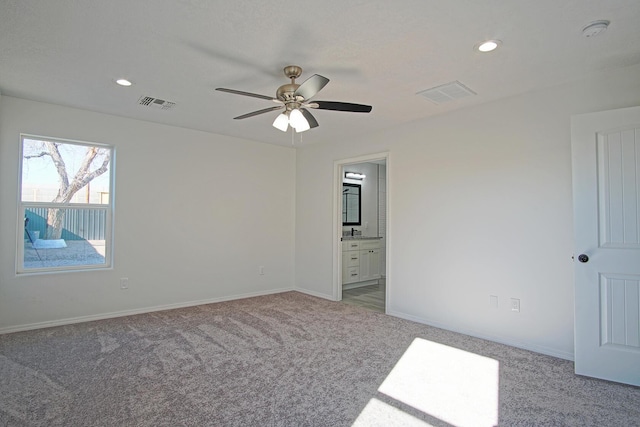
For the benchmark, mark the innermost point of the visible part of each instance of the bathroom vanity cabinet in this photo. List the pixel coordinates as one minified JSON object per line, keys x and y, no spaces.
{"x":360,"y":262}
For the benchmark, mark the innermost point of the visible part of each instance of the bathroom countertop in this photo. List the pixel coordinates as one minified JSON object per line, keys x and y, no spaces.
{"x":360,"y":238}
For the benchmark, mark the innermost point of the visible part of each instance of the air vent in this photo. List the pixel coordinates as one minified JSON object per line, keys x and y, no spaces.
{"x":158,"y":103}
{"x":447,"y":92}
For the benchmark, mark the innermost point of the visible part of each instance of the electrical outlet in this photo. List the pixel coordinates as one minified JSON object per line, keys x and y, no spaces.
{"x":515,"y":304}
{"x":261,"y":270}
{"x":124,"y":283}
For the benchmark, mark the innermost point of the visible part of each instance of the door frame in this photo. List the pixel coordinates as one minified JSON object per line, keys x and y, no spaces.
{"x":338,"y":173}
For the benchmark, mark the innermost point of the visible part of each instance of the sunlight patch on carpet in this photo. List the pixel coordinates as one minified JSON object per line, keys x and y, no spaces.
{"x":455,"y":386}
{"x":380,"y":414}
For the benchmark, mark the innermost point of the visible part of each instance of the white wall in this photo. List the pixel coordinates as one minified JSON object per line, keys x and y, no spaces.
{"x":195,"y":215}
{"x":480,"y":204}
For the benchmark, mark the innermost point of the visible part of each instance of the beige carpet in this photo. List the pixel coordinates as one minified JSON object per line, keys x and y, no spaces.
{"x":290,"y":360}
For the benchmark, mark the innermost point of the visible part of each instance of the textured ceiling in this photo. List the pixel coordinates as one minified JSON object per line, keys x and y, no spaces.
{"x":375,"y":52}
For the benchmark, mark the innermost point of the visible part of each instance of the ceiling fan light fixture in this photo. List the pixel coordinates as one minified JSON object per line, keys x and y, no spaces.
{"x":303,"y":128}
{"x":295,"y":100}
{"x":297,"y":121}
{"x":281,"y":122}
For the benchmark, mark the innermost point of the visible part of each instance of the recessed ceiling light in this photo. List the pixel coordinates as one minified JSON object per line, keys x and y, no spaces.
{"x":488,"y":46}
{"x":124,"y":82}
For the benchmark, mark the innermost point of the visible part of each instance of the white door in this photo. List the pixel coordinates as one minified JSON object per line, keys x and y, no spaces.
{"x":606,"y":192}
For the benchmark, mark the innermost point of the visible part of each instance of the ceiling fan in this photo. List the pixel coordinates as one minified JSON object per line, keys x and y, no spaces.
{"x":295,"y":99}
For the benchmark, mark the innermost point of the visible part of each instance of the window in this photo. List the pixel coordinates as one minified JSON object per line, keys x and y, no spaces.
{"x":66,"y":205}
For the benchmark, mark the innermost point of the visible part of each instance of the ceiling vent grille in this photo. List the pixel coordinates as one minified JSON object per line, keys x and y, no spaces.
{"x":158,"y":103}
{"x":447,"y":92}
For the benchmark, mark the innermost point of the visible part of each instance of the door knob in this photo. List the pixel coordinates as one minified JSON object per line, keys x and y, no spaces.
{"x":583,"y":258}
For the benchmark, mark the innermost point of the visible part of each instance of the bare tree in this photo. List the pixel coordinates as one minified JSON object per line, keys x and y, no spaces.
{"x":68,"y":188}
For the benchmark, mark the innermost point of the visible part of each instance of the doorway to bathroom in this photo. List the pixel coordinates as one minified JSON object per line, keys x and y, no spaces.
{"x":360,"y":231}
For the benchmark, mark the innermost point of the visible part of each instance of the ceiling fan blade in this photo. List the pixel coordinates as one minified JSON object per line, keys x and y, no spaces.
{"x":239,"y":92}
{"x":311,"y":86}
{"x":343,"y":106}
{"x":313,"y":123}
{"x":255,"y":113}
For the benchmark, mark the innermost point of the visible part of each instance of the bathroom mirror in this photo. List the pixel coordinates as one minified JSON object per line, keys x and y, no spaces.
{"x":351,"y":204}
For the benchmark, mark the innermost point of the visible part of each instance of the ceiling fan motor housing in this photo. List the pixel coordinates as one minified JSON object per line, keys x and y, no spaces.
{"x":285,"y":92}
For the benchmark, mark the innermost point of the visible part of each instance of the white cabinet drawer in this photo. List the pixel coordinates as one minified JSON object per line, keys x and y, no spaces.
{"x":350,"y":275}
{"x":369,"y":244}
{"x":351,"y":259}
{"x":350,"y":245}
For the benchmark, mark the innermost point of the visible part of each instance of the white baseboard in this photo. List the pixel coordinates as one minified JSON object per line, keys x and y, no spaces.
{"x":111,"y":315}
{"x":501,"y":340}
{"x":315,"y":294}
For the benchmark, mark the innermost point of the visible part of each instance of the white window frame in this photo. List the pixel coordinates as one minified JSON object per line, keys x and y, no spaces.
{"x":108,"y":207}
